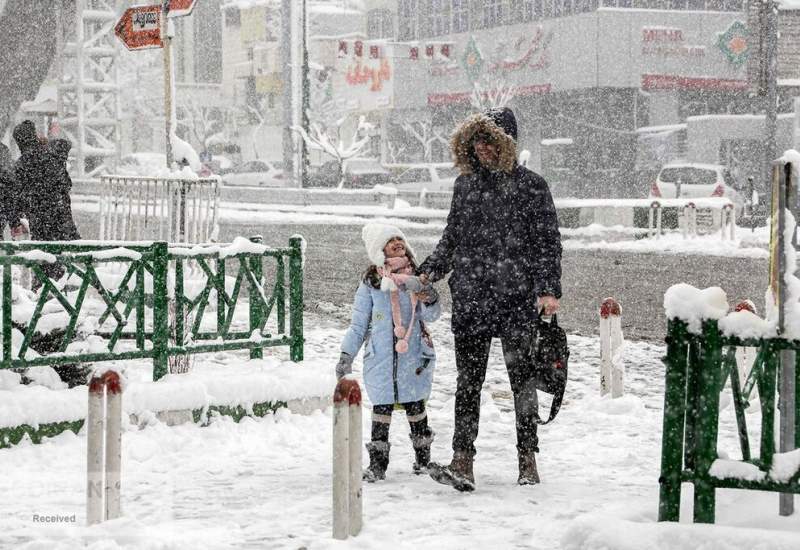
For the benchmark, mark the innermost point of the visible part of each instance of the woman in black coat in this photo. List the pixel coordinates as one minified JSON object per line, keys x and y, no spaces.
{"x":503,"y":247}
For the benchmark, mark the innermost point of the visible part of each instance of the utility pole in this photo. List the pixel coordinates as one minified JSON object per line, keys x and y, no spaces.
{"x":166,"y":40}
{"x":286,"y":60}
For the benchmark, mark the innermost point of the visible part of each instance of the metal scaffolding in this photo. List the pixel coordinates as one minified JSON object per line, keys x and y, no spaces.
{"x":88,"y":91}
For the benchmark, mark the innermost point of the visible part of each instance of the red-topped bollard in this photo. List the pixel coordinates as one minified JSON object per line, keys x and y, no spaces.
{"x":104,"y":447}
{"x":347,"y":505}
{"x":612,"y":369}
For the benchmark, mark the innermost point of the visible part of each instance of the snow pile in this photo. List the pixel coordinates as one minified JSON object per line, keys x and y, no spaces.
{"x":184,"y":153}
{"x":45,"y":376}
{"x":693,"y":306}
{"x":725,"y":469}
{"x":785,"y":465}
{"x":746,"y":324}
{"x":239,"y":383}
{"x":593,"y":532}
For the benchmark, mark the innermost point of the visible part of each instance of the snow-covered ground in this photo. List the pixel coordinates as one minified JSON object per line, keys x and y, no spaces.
{"x":266,"y":483}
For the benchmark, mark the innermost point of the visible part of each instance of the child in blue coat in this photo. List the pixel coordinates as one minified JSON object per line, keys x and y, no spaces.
{"x":389,"y":312}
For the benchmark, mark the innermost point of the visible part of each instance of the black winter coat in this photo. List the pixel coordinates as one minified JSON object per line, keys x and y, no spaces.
{"x":44,"y":187}
{"x":503,"y":246}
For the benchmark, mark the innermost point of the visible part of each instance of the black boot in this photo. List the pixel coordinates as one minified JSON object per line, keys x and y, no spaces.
{"x":422,"y":451}
{"x":528,"y":473}
{"x":458,"y":473}
{"x":378,"y":461}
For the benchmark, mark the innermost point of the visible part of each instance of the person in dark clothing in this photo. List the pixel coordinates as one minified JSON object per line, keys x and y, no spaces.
{"x":7,"y":191}
{"x":44,"y":186}
{"x":503,"y":247}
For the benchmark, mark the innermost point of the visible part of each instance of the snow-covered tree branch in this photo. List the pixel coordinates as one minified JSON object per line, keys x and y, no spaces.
{"x":329,"y":140}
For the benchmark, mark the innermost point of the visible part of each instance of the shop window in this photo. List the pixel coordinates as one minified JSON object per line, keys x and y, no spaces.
{"x":440,"y":17}
{"x":493,"y":13}
{"x":379,"y":24}
{"x":460,"y":11}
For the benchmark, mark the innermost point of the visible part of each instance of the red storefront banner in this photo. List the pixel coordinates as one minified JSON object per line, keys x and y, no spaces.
{"x":672,"y":82}
{"x":463,"y":97}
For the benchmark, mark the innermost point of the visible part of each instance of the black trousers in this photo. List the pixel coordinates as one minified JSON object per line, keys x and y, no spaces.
{"x":472,"y":357}
{"x":415,"y":412}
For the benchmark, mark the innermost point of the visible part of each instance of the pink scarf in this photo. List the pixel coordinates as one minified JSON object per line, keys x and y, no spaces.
{"x":398,"y":270}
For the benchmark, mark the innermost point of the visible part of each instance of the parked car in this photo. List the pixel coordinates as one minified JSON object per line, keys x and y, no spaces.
{"x":256,"y":173}
{"x":142,"y":164}
{"x":690,"y":180}
{"x":433,"y":177}
{"x":359,"y":173}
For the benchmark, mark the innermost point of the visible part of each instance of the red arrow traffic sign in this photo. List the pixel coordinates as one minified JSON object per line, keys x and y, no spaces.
{"x":139,"y":27}
{"x":178,"y":8}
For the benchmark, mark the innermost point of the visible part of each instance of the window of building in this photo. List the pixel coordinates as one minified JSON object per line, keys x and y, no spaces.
{"x":207,"y":42}
{"x":439,"y":17}
{"x":407,"y":17}
{"x":521,"y":10}
{"x":538,"y":9}
{"x":493,"y":13}
{"x":233,"y":17}
{"x":460,"y":13}
{"x":380,"y":24}
{"x":734,"y":5}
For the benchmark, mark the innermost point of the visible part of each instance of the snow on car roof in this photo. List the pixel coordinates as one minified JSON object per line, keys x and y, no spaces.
{"x":699,"y":165}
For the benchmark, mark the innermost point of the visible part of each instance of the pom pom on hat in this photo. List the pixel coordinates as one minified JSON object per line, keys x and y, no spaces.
{"x":375,"y":237}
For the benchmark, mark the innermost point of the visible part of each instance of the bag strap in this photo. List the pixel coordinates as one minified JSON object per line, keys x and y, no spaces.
{"x":554,"y":408}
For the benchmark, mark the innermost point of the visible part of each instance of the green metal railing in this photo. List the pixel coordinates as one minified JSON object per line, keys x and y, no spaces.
{"x":158,"y":263}
{"x":698,"y":367}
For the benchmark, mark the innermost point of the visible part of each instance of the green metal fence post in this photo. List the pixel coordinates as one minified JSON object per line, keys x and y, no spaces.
{"x":160,"y":310}
{"x":766,"y":393}
{"x":296,"y":299}
{"x":669,"y":501}
{"x":256,"y":305}
{"x":708,"y":423}
{"x":7,"y":315}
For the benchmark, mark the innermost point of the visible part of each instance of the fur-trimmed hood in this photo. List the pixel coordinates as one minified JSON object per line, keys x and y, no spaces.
{"x":500,"y":124}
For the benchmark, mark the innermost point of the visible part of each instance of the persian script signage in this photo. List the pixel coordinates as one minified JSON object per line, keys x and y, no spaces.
{"x":668,"y":42}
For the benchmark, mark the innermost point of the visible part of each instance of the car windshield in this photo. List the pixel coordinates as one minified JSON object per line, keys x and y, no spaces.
{"x":689,"y":175}
{"x":448,"y":173}
{"x":414,"y":174}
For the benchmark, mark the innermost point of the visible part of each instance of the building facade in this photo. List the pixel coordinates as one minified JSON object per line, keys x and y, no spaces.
{"x":586,"y":79}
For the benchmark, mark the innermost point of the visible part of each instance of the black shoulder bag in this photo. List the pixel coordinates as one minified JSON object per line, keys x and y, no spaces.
{"x":549,"y":359}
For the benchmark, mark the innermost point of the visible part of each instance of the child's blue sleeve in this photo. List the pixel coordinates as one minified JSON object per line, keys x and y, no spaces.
{"x":359,"y":324}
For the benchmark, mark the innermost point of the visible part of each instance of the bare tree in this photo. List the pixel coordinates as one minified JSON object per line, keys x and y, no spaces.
{"x":426,"y":134}
{"x":329,"y":140}
{"x":491,"y":92}
{"x":201,"y":121}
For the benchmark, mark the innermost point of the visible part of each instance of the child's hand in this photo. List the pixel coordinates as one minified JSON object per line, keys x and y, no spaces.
{"x":344,"y":366}
{"x":428,"y":295}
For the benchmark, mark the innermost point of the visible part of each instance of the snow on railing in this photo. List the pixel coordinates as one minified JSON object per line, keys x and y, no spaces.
{"x":164,"y":208}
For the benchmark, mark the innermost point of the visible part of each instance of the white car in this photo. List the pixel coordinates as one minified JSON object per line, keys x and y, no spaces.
{"x":142,"y":164}
{"x":256,"y":173}
{"x":433,"y":177}
{"x":692,"y":180}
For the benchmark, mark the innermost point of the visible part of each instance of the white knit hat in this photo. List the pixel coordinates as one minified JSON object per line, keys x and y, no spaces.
{"x":375,"y":237}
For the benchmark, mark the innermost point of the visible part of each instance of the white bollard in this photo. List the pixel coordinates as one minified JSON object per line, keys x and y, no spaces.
{"x":654,"y":220}
{"x":104,"y":448}
{"x":347,"y":503}
{"x":727,"y":222}
{"x":689,"y":220}
{"x":612,"y":372}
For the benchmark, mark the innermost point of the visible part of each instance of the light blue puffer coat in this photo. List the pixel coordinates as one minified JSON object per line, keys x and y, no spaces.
{"x":390,"y":377}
